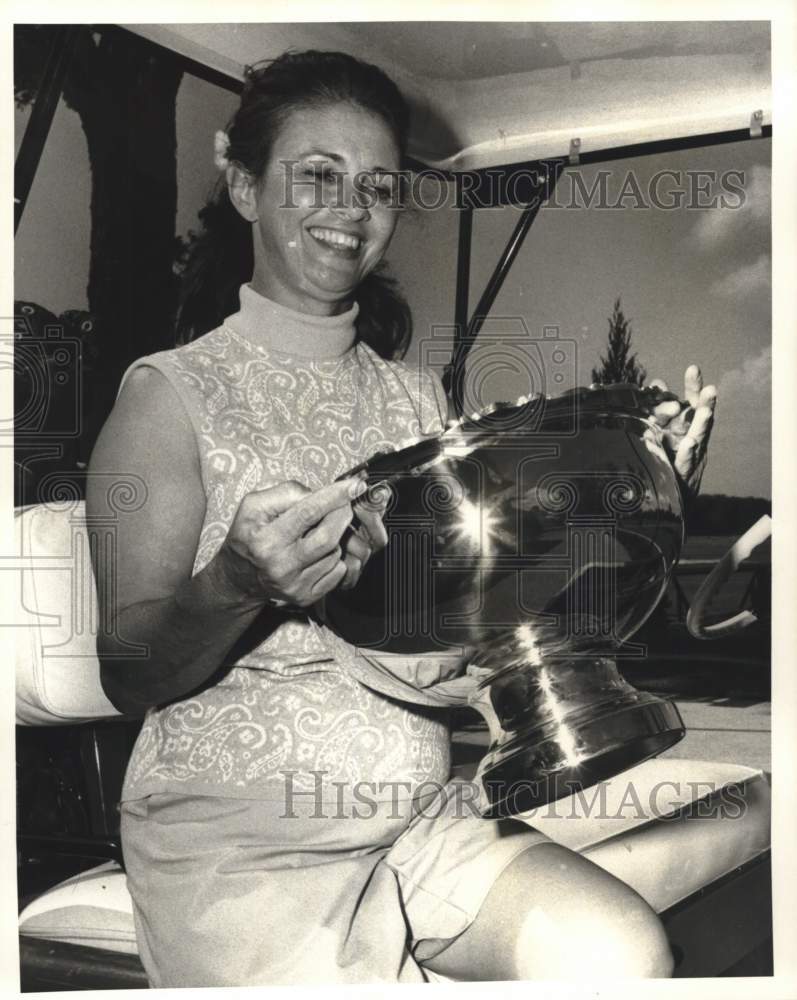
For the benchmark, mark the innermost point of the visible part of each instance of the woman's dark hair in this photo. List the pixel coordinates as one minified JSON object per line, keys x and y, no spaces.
{"x":220,"y":257}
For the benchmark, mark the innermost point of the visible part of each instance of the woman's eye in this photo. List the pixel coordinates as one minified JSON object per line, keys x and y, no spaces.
{"x":321,"y":172}
{"x":384,"y":190}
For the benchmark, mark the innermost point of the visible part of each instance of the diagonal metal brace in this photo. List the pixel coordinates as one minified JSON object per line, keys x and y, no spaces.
{"x":465,"y":337}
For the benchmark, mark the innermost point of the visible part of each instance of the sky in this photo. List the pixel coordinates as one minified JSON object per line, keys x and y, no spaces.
{"x":694,"y":282}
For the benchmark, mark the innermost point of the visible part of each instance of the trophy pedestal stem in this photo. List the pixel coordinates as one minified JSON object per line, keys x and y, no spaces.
{"x":560,"y":727}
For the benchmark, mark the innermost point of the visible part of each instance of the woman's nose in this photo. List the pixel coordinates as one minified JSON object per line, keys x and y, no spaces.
{"x":350,"y":203}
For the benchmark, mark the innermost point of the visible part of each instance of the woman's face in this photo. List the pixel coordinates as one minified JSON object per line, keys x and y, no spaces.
{"x":316,"y":237}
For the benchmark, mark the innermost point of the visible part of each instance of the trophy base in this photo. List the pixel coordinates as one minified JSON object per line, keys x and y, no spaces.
{"x":526,"y":770}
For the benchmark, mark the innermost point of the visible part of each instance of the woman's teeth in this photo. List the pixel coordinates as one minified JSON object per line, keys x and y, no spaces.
{"x":336,"y":238}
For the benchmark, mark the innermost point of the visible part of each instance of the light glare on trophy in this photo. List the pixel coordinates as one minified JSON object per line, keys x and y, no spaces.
{"x":541,"y":535}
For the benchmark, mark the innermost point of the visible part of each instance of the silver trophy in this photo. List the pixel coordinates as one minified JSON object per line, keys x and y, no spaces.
{"x":541,"y":535}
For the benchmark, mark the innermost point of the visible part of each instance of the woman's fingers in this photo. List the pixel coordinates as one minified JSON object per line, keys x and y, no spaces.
{"x":693,"y":383}
{"x":368,"y":536}
{"x":297,"y":540}
{"x":694,"y":443}
{"x":355,"y":545}
{"x":324,"y":537}
{"x":702,"y":422}
{"x":262,"y":507}
{"x":323,"y":576}
{"x":354,"y":567}
{"x":665,"y":412}
{"x":686,"y":427}
{"x":303,"y":516}
{"x":356,"y":552}
{"x":708,"y":397}
{"x":369,"y":514}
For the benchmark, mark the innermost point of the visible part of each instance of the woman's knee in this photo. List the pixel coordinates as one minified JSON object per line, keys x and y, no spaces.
{"x":553,"y":914}
{"x":616,"y":937}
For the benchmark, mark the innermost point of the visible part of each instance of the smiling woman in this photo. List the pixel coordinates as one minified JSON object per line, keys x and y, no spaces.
{"x":324,"y":240}
{"x":318,"y":136}
{"x":287,"y":816}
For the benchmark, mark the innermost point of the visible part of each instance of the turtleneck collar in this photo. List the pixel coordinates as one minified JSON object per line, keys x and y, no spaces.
{"x":286,"y":331}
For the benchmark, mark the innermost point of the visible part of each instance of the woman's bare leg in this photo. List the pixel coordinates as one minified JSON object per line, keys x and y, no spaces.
{"x":553,"y":914}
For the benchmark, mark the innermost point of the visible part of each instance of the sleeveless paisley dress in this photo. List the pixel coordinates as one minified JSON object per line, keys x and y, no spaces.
{"x":274,"y":395}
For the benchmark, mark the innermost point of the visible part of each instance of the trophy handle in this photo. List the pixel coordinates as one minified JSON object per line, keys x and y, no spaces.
{"x":739,"y":551}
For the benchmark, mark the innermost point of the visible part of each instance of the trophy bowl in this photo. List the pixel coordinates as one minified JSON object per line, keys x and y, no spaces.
{"x":540,"y":536}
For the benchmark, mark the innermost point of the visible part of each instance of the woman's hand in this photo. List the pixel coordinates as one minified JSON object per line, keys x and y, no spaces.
{"x":686,"y":427}
{"x":285,"y":543}
{"x":366,"y":536}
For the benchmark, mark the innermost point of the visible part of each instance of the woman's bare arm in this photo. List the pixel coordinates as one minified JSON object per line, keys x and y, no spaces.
{"x":283,"y":543}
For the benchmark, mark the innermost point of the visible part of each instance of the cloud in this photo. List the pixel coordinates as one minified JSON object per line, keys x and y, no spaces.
{"x":739,"y":461}
{"x":746,"y":279}
{"x":754,"y":376}
{"x":716,"y":226}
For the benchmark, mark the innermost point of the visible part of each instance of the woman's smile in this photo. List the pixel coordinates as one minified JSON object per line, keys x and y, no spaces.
{"x":345,"y":243}
{"x":316,"y":235}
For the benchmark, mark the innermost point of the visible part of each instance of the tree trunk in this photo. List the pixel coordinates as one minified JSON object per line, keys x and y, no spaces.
{"x":125,"y":93}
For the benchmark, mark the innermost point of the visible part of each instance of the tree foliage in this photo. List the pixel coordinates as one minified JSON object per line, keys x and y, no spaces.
{"x":619,"y":365}
{"x":124,"y":91}
{"x":718,"y":514}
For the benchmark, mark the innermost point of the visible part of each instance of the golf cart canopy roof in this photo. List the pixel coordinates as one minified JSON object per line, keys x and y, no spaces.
{"x":488,"y":94}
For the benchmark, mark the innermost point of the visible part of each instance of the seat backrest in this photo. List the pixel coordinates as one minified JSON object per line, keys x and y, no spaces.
{"x":56,"y":618}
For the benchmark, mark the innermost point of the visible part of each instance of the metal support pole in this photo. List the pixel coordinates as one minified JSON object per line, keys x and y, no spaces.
{"x":454,"y":375}
{"x":41,"y":116}
{"x":463,"y":287}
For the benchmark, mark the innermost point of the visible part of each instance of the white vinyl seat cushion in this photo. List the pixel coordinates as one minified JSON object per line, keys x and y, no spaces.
{"x":56,"y":619}
{"x":93,"y":908}
{"x":640,"y":833}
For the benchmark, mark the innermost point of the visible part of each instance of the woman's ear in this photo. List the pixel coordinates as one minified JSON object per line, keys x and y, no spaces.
{"x":243,"y":192}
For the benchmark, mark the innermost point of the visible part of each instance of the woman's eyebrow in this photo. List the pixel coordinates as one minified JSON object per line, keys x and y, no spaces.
{"x":323,"y":152}
{"x":337,"y":158}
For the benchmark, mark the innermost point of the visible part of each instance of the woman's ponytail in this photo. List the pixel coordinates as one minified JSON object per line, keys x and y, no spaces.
{"x":217,"y":262}
{"x":384,"y":321}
